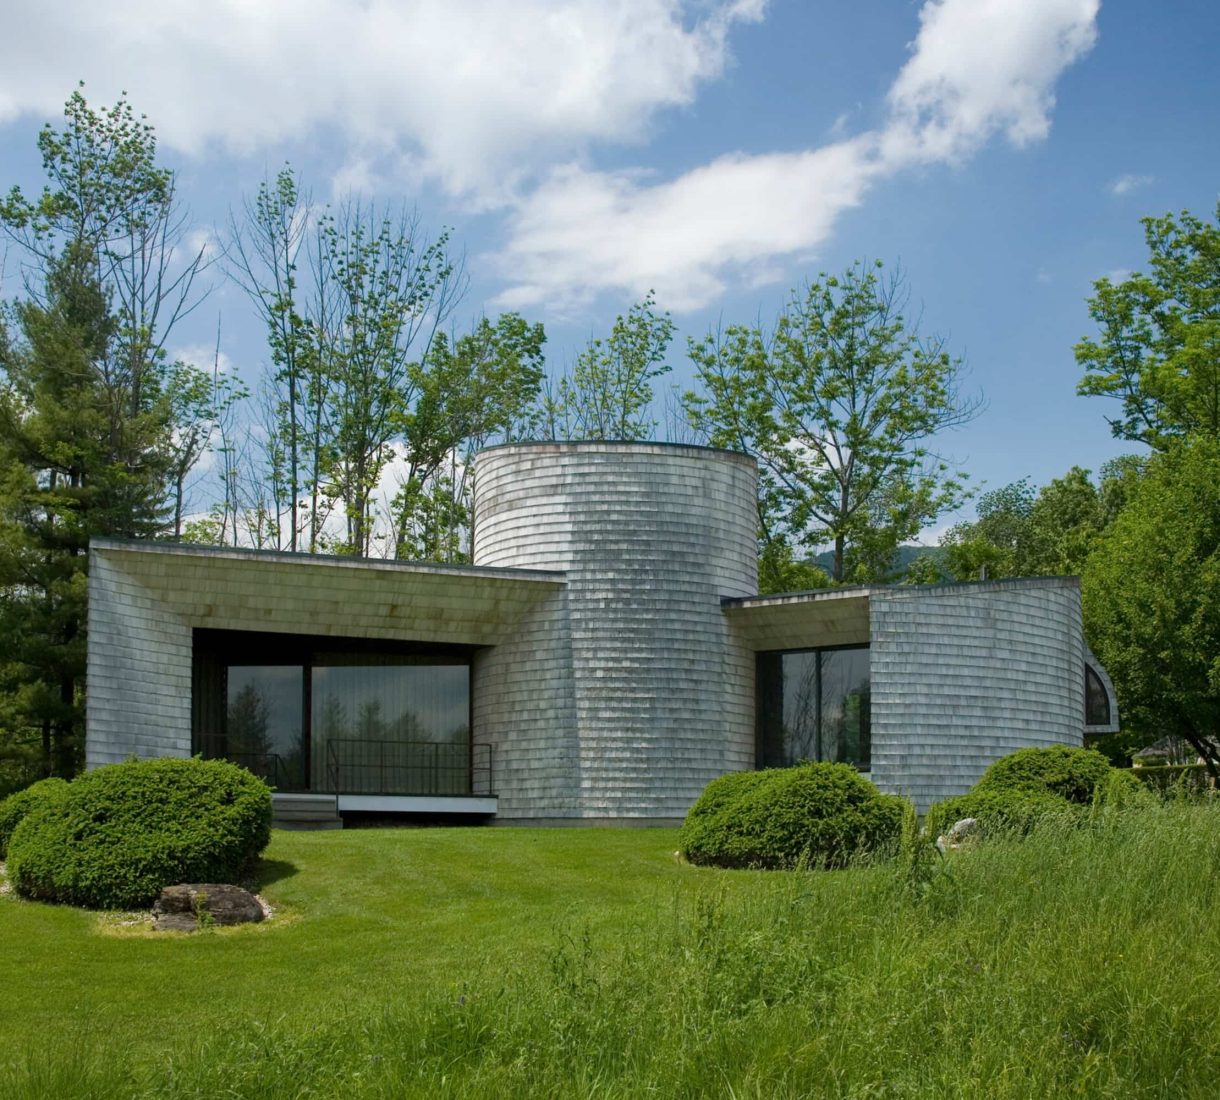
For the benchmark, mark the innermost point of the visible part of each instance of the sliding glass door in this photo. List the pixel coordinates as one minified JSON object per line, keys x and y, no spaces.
{"x":336,"y":716}
{"x":264,"y":728}
{"x":391,"y":724}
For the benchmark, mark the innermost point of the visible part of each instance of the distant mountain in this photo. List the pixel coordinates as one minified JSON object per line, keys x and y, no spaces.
{"x":903,"y":557}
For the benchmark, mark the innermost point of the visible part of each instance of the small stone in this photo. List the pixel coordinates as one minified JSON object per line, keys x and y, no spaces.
{"x":962,"y":829}
{"x":185,"y":907}
{"x":958,"y":835}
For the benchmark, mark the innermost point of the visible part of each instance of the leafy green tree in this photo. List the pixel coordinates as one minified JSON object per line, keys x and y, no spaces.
{"x":90,"y":404}
{"x":108,"y":219}
{"x":838,"y":404}
{"x":473,"y":389}
{"x":66,"y":476}
{"x":1065,"y":521}
{"x":1158,"y":350}
{"x":198,"y":404}
{"x":1151,"y":592}
{"x":923,"y":569}
{"x":779,"y":569}
{"x":370,"y":407}
{"x":996,"y":544}
{"x":264,"y":253}
{"x":1020,"y":533}
{"x":609,"y":393}
{"x":383,"y":291}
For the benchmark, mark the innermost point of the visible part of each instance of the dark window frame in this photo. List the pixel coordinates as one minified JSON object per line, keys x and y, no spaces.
{"x":760,"y":698}
{"x":1092,"y":676}
{"x":221,"y":650}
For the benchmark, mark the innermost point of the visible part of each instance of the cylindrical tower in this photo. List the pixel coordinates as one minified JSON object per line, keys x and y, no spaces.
{"x":657,"y":696}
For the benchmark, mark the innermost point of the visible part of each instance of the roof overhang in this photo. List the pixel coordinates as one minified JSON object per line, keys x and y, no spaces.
{"x":231,"y":589}
{"x":801,"y":620}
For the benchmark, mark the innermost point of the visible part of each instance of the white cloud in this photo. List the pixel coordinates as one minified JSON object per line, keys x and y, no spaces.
{"x":981,"y":67}
{"x":200,"y":243}
{"x":481,"y":90}
{"x":204,"y":357}
{"x":1124,"y":185}
{"x":583,"y":230}
{"x":977,"y":68}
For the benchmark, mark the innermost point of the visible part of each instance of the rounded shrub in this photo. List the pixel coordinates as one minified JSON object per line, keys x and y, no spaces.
{"x":820,"y":815}
{"x":122,"y":833}
{"x":1020,"y":789}
{"x":1071,"y":774}
{"x":18,"y":805}
{"x":1003,"y":811}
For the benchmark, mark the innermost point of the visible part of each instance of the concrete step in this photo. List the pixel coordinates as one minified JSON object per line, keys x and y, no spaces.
{"x":305,"y":811}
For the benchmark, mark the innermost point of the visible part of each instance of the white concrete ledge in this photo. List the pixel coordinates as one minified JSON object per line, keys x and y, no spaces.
{"x":416,"y":804}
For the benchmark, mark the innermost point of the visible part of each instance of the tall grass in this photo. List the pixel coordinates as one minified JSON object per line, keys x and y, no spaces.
{"x":1075,"y":962}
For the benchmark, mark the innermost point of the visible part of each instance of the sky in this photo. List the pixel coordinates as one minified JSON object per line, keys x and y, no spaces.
{"x":719,"y":152}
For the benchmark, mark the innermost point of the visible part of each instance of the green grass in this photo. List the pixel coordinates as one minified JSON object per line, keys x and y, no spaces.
{"x":471,"y":963}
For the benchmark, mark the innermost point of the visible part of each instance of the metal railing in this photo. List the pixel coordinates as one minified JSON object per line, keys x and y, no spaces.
{"x":356,"y":766}
{"x":268,"y":766}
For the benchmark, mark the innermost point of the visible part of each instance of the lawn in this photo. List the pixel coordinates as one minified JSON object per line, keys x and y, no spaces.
{"x":368,"y":916}
{"x":501,"y":962}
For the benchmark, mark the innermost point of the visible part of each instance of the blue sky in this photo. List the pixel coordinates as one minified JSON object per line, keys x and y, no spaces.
{"x":719,"y":151}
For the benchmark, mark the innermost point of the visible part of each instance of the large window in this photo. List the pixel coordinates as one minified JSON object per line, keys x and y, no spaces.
{"x":263,"y":726}
{"x":813,"y":704}
{"x":355,"y":717}
{"x":394,"y":724}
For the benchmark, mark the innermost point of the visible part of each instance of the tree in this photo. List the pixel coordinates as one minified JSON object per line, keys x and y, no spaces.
{"x":1020,"y":533}
{"x":923,"y":569}
{"x":473,"y":389}
{"x":89,"y":443}
{"x":66,"y":477}
{"x":837,"y":403}
{"x":1158,"y":352}
{"x":1065,"y":522}
{"x":264,"y":259}
{"x":996,"y":544}
{"x":108,"y":220}
{"x":383,"y":291}
{"x":370,"y":409}
{"x":1151,"y":593}
{"x":609,"y":393}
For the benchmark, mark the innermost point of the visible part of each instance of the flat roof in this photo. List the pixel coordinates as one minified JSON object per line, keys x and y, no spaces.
{"x":641,"y":446}
{"x":257,"y":590}
{"x":339,"y":561}
{"x":840,"y":616}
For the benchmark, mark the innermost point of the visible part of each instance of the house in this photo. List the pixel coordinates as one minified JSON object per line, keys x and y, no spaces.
{"x":605,"y":656}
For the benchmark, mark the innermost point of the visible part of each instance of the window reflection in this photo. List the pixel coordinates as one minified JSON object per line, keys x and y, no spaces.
{"x":338,"y":717}
{"x":264,"y":730}
{"x":844,"y":716}
{"x":389,"y":726}
{"x":1096,"y":700}
{"x":814,"y":705}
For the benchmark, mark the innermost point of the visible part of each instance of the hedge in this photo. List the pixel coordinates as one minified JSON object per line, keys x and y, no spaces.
{"x":1071,"y":774}
{"x":122,"y":833}
{"x":1029,"y":784}
{"x":818,"y":815}
{"x":14,"y":808}
{"x":1167,"y":778}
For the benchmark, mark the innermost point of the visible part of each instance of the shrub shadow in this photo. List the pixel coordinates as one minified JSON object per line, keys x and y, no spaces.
{"x":274,"y":870}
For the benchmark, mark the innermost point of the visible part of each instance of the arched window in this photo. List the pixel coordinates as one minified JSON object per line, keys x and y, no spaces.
{"x":1096,"y":698}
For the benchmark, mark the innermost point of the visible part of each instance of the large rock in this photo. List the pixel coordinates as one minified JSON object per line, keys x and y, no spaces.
{"x":186,"y":907}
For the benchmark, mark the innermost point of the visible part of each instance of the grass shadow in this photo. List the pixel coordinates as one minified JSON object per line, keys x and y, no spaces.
{"x":274,"y":870}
